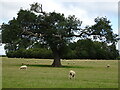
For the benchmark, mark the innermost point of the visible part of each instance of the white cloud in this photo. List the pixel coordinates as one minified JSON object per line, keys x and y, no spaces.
{"x":80,"y":14}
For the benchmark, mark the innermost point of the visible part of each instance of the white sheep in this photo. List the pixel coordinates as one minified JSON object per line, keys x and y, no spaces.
{"x":71,"y":74}
{"x":23,"y":67}
{"x":108,"y":65}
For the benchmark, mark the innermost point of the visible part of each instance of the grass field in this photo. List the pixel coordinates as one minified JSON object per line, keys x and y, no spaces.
{"x":89,"y":74}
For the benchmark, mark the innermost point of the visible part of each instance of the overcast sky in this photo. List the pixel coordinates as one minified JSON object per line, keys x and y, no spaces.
{"x":85,"y":10}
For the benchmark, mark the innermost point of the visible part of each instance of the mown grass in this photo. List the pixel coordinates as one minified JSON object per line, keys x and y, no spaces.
{"x":89,"y":74}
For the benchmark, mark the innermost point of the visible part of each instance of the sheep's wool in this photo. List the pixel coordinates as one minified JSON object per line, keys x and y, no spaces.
{"x":72,"y":74}
{"x":23,"y":67}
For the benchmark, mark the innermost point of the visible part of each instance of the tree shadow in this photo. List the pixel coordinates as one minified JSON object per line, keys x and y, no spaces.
{"x":50,"y":66}
{"x":40,"y":65}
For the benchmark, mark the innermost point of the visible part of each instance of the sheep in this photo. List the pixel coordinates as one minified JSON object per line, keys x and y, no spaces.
{"x":23,"y":67}
{"x":71,"y":74}
{"x":108,"y":65}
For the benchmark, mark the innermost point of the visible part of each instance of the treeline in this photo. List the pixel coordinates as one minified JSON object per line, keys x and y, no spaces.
{"x":88,"y":49}
{"x":31,"y":53}
{"x":82,"y":49}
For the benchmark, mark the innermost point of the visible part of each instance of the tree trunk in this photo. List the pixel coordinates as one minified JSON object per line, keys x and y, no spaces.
{"x":56,"y":62}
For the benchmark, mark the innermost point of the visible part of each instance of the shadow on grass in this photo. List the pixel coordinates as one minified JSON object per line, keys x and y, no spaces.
{"x":59,"y":67}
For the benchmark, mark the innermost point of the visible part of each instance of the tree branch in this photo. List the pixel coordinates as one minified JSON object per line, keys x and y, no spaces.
{"x":29,"y":33}
{"x":37,"y":8}
{"x":32,"y":34}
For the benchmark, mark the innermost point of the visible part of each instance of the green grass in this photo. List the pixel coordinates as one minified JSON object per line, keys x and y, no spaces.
{"x":89,"y":74}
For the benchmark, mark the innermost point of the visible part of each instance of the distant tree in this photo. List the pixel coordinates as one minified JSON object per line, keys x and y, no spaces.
{"x":88,"y":49}
{"x":102,"y":30}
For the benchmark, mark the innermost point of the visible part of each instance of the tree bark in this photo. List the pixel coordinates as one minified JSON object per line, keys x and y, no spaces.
{"x":57,"y":61}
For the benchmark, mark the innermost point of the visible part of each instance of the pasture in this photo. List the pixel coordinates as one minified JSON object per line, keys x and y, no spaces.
{"x":89,"y":74}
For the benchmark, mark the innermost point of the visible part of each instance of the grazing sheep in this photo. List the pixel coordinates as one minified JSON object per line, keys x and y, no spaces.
{"x":108,"y":66}
{"x":23,"y":67}
{"x":71,"y":74}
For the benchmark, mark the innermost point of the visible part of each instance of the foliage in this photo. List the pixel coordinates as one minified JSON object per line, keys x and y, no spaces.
{"x":102,"y":30}
{"x":31,"y":53}
{"x":94,"y":50}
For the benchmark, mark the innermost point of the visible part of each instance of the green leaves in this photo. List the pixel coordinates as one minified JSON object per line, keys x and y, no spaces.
{"x":11,"y":32}
{"x":88,"y":49}
{"x":103,"y":29}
